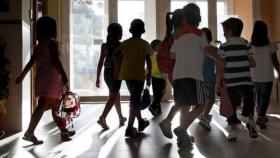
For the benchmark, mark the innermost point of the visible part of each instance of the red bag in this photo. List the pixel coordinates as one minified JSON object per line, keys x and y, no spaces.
{"x":226,"y":108}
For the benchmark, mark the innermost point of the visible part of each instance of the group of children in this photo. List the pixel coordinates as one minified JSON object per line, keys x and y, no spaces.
{"x":239,"y":65}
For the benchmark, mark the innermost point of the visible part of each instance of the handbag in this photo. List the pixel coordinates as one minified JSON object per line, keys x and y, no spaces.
{"x":226,"y":108}
{"x":145,"y":100}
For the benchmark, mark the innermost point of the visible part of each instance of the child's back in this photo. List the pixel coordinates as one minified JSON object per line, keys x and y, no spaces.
{"x":134,"y":50}
{"x":46,"y":72}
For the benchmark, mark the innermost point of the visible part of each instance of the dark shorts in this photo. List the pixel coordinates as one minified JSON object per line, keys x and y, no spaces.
{"x":113,"y":84}
{"x":135,"y":88}
{"x":188,"y":91}
{"x":209,"y":92}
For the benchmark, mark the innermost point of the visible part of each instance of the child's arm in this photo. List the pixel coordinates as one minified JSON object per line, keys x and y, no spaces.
{"x":54,"y":52}
{"x":252,"y":61}
{"x":99,"y":67}
{"x":275,"y":62}
{"x":219,"y":77}
{"x":211,"y":52}
{"x":27,"y":67}
{"x":149,"y":69}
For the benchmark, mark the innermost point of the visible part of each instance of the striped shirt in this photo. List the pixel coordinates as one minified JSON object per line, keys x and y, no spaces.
{"x":237,"y":71}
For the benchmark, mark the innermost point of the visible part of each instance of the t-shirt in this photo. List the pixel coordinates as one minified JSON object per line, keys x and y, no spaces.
{"x":209,"y":67}
{"x":134,"y":51}
{"x":263,"y":72}
{"x":235,"y":51}
{"x":155,"y":71}
{"x":188,"y":48}
{"x":109,"y":53}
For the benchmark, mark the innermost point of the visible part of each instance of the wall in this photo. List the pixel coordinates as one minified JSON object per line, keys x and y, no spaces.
{"x":15,"y":30}
{"x":244,"y":10}
{"x":54,"y":11}
{"x":275,"y":20}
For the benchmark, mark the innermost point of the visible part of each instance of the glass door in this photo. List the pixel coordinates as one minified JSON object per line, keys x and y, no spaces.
{"x":88,"y":21}
{"x":203,"y":5}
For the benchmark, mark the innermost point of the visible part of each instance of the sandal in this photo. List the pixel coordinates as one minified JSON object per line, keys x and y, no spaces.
{"x":32,"y":138}
{"x":122,"y":121}
{"x":102,"y":123}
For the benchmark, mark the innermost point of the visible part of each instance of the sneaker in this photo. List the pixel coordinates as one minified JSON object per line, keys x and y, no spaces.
{"x":65,"y":135}
{"x":155,"y":111}
{"x":165,"y":126}
{"x":252,"y":129}
{"x":131,"y":132}
{"x":143,"y":124}
{"x":232,"y":134}
{"x":261,"y":122}
{"x":183,"y":139}
{"x":2,"y":133}
{"x":122,"y":121}
{"x":205,"y":123}
{"x":102,"y":123}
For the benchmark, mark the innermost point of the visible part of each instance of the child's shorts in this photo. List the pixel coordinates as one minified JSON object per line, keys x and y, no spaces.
{"x":209,"y":92}
{"x":188,"y":91}
{"x":2,"y":107}
{"x":135,"y":88}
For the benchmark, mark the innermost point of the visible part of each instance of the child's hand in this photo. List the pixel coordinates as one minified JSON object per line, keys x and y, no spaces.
{"x":19,"y":80}
{"x":97,"y":83}
{"x":218,"y":88}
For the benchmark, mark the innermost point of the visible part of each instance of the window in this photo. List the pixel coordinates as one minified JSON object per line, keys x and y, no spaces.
{"x":203,"y":5}
{"x":222,"y":15}
{"x":88,"y":21}
{"x":140,"y":9}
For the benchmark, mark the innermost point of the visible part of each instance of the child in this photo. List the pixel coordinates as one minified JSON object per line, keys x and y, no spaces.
{"x":48,"y":70}
{"x":166,"y":64}
{"x":209,"y":83}
{"x":264,"y":53}
{"x":189,"y":47}
{"x":135,"y":51}
{"x":236,"y":75}
{"x":4,"y":82}
{"x":158,"y":81}
{"x":113,"y":41}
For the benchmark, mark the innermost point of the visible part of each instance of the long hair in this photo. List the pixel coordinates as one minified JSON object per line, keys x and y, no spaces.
{"x":260,"y":34}
{"x":45,"y":28}
{"x":113,"y":30}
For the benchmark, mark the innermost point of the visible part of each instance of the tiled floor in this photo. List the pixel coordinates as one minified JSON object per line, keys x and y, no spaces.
{"x":91,"y":142}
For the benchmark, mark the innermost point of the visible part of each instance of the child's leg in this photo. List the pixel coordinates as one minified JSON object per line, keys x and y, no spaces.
{"x":235,"y":98}
{"x":189,"y":116}
{"x":36,"y":116}
{"x":209,"y":97}
{"x":58,"y":121}
{"x":2,"y":113}
{"x":248,"y":109}
{"x":158,"y":90}
{"x":118,"y":106}
{"x":265,"y":97}
{"x":258,"y":94}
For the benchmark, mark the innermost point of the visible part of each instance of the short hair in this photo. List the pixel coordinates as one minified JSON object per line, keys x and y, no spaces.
{"x":260,"y":34}
{"x":208,"y":34}
{"x":45,"y":28}
{"x":191,"y":13}
{"x":137,"y":26}
{"x":235,"y":25}
{"x":154,"y":44}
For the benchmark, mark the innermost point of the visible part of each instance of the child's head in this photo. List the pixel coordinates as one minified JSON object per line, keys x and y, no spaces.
{"x":177,"y":18}
{"x":191,"y":13}
{"x":45,"y":28}
{"x":155,"y":44}
{"x":260,"y":34}
{"x":114,"y":31}
{"x":232,"y":27}
{"x":137,"y":27}
{"x":208,"y":34}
